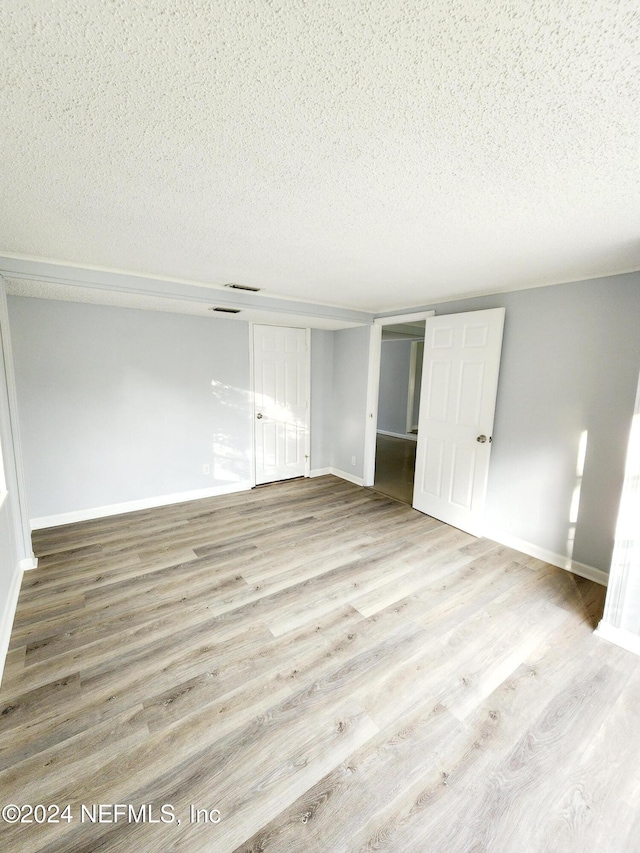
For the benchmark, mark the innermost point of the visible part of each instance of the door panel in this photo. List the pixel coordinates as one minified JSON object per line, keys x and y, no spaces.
{"x":458,"y":396}
{"x":280,"y":392}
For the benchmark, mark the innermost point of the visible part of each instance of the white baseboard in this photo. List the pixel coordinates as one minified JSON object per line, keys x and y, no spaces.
{"x":337,"y":472}
{"x":132,"y":506}
{"x":562,"y":562}
{"x":625,"y":639}
{"x":398,"y":434}
{"x":28,"y":563}
{"x":8,"y":615}
{"x":344,"y":475}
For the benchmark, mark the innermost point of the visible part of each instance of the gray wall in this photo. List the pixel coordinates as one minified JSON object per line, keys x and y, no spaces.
{"x":350,"y":378}
{"x":119,"y":405}
{"x":395,"y":364}
{"x":570,"y":363}
{"x":321,"y":398}
{"x":418,"y":384}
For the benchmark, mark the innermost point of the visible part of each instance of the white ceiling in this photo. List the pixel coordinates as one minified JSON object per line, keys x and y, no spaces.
{"x":371,"y":155}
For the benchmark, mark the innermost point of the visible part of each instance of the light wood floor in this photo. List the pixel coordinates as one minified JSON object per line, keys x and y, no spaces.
{"x":330,"y":669}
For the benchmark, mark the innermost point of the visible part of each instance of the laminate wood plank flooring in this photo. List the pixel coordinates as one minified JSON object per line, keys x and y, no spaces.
{"x":315,"y":667}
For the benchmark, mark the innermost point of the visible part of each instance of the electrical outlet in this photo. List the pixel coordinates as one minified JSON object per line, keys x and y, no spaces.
{"x":206,"y":469}
{"x":353,"y":460}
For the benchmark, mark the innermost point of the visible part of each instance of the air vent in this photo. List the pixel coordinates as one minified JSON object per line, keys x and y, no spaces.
{"x":226,"y":310}
{"x":243,"y":287}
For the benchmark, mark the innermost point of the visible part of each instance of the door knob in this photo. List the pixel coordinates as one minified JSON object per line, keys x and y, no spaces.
{"x":259,"y":415}
{"x":481,"y":439}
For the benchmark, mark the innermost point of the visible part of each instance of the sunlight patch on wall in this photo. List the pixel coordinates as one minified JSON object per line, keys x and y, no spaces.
{"x":574,"y":509}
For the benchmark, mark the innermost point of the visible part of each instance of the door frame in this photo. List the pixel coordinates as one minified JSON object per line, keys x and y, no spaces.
{"x":411,"y":396}
{"x":15,"y":483}
{"x":373,"y":385}
{"x":252,"y":393}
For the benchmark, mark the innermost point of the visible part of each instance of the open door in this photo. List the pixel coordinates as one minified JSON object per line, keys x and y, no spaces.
{"x":458,"y":397}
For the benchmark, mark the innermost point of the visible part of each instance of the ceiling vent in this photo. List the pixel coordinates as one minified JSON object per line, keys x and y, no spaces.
{"x":243,"y":287}
{"x":226,"y":310}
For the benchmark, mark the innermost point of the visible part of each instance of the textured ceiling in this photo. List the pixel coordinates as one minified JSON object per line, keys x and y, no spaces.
{"x":375,"y":155}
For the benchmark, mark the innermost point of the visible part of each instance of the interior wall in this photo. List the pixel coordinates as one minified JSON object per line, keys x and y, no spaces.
{"x":393,"y":393}
{"x":321,"y":398}
{"x":349,"y":405}
{"x":418,"y":381}
{"x":569,"y":368}
{"x":120,"y":405}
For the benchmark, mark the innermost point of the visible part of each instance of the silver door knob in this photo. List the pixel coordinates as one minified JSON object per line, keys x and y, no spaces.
{"x":259,"y":415}
{"x":481,"y":439}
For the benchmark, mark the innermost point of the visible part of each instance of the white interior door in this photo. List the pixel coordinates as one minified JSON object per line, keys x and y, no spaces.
{"x":280,"y":378}
{"x":458,"y":397}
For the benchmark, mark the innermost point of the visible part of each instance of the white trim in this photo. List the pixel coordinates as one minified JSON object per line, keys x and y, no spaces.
{"x":28,"y":564}
{"x":252,"y":405}
{"x":475,"y":294}
{"x":397,"y":434}
{"x":373,"y":386}
{"x":128,"y":282}
{"x":10,"y":436}
{"x":622,"y":638}
{"x":343,"y":475}
{"x":7,"y":617}
{"x":133,"y":506}
{"x":371,"y":416}
{"x":401,"y":319}
{"x":18,"y":265}
{"x":562,"y":562}
{"x":307,"y":443}
{"x":357,"y":481}
{"x":411,"y":391}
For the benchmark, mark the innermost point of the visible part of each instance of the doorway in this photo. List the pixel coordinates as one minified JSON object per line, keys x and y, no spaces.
{"x":395,"y":369}
{"x":401,"y":353}
{"x":461,"y":364}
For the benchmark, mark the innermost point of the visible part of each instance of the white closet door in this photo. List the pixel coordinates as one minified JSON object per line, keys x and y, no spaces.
{"x":280,"y":371}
